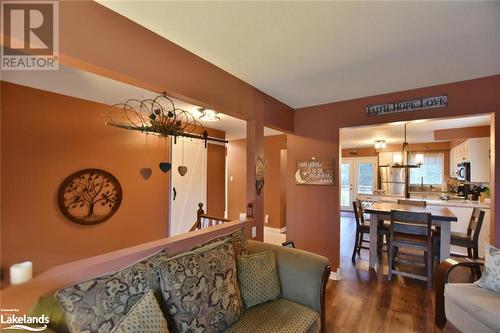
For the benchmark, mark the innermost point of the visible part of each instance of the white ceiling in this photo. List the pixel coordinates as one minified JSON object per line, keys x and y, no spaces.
{"x":309,"y":52}
{"x":73,"y":82}
{"x":418,"y":131}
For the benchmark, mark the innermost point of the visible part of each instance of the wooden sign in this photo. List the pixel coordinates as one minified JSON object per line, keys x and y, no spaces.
{"x":314,"y":172}
{"x":410,"y":105}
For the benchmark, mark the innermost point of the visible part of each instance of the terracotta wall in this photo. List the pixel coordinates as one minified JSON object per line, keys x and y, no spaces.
{"x":237,"y":178}
{"x":273,"y":145}
{"x":272,"y":189}
{"x":45,"y":138}
{"x":216,"y":180}
{"x":313,"y":211}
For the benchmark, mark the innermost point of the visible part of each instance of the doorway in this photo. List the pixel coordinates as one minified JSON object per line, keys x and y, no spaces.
{"x":358,"y":176}
{"x":189,"y":189}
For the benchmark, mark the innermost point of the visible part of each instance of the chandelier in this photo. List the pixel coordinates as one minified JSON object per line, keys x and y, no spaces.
{"x":161,"y":117}
{"x":401,"y":159}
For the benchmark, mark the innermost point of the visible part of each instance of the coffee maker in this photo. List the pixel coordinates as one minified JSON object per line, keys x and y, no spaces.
{"x":464,"y":190}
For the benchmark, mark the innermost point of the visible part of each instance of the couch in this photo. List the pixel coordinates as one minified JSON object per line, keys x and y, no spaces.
{"x":301,"y":308}
{"x":466,"y":306}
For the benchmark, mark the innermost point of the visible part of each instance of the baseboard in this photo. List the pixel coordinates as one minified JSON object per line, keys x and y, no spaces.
{"x":336,"y":276}
{"x":275,"y":230}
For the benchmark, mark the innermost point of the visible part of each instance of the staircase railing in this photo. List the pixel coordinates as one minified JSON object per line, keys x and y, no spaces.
{"x":203,"y":220}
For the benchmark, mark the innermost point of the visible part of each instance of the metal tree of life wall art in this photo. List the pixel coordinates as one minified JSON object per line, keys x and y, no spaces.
{"x":89,"y":196}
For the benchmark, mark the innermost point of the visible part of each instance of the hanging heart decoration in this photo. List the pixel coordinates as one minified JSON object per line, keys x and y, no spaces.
{"x":182,"y":170}
{"x":146,"y":173}
{"x":165,"y":166}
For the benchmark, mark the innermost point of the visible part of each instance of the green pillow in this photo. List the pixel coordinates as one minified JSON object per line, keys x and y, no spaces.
{"x":258,"y":278}
{"x":49,"y":306}
{"x":144,"y":317}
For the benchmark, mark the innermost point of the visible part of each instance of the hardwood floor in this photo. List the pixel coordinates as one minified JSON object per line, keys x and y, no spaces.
{"x":366,"y":302}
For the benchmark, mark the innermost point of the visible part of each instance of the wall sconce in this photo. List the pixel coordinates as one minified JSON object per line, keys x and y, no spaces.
{"x":419,"y":159}
{"x":397,"y":158}
{"x":379,"y":144}
{"x":209,"y":115}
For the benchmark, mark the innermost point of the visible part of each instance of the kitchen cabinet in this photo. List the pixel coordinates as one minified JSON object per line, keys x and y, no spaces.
{"x":477,"y":152}
{"x":479,"y":156}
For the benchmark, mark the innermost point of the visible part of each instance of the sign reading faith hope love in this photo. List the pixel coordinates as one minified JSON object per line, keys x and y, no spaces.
{"x":312,"y":172}
{"x":410,"y":105}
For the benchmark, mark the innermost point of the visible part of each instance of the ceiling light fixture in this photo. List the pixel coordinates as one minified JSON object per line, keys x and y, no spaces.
{"x":401,"y":159}
{"x":379,"y":144}
{"x":209,"y":115}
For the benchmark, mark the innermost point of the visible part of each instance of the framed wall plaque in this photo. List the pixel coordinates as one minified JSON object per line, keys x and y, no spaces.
{"x":89,"y":196}
{"x":312,"y":172}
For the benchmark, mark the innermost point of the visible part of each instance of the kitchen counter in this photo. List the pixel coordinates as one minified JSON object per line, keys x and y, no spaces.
{"x":432,"y":202}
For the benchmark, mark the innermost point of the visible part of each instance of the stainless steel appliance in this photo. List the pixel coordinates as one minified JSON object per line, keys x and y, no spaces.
{"x":392,"y":180}
{"x":463,"y":171}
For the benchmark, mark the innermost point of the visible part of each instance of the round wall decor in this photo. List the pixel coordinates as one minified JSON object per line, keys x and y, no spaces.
{"x":89,"y":196}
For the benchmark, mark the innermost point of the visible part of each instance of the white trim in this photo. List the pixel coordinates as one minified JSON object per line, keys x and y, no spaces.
{"x":275,"y":230}
{"x":336,"y":276}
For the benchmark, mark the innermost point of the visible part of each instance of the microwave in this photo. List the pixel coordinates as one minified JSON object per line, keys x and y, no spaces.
{"x":463,"y":171}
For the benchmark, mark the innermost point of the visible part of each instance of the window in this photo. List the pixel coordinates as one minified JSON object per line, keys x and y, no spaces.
{"x":431,"y":172}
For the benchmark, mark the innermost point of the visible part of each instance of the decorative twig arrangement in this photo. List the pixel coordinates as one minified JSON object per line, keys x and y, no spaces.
{"x":160,"y":116}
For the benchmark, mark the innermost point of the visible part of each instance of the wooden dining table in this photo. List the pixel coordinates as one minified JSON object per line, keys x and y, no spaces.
{"x":441,"y":216}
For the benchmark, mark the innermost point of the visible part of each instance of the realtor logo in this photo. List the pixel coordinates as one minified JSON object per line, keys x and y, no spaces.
{"x":30,"y":35}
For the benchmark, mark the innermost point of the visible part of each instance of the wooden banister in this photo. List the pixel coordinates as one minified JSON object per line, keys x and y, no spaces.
{"x":201,"y":216}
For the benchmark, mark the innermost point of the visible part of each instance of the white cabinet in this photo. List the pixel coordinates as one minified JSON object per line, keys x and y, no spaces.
{"x":479,"y":156}
{"x":453,"y":162}
{"x":477,"y":152}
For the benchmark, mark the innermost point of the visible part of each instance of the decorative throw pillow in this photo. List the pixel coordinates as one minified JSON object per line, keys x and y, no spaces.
{"x":144,"y":317}
{"x":258,"y":278}
{"x":238,"y":237}
{"x":200,"y":289}
{"x":97,"y":305}
{"x":491,"y":276}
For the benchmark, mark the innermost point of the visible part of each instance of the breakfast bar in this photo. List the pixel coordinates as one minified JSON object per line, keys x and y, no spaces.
{"x":441,"y":216}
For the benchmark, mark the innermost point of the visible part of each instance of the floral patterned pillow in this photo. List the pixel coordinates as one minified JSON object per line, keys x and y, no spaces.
{"x":238,"y":238}
{"x":491,"y":276}
{"x":97,"y":305}
{"x":200,"y":289}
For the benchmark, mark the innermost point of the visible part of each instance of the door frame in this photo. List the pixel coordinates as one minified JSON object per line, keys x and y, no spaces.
{"x":354,"y":161}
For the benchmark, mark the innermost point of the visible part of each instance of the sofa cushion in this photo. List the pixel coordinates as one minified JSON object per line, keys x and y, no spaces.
{"x":237,"y":237}
{"x":258,"y":278}
{"x":482,"y":304}
{"x":100,"y":303}
{"x":200,"y":289}
{"x":491,"y":275}
{"x":144,"y":317}
{"x":278,"y":316}
{"x":48,"y":306}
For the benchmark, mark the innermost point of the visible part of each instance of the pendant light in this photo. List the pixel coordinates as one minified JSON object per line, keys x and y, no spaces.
{"x":400,"y":159}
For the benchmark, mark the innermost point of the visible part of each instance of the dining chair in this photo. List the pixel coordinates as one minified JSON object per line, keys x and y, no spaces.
{"x":409,"y":202}
{"x":470,"y":240}
{"x":411,"y":230}
{"x":363,"y":228}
